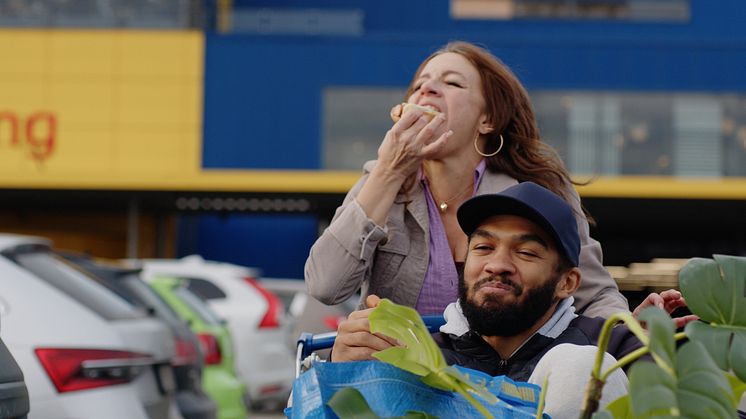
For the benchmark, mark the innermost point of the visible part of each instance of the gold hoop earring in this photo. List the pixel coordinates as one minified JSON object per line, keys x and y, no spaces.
{"x":476,"y":147}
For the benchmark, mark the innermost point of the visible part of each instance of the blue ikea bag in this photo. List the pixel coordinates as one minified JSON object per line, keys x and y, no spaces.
{"x":391,"y":391}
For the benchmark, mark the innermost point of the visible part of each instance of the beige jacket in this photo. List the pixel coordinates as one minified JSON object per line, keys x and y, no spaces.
{"x":355,"y":254}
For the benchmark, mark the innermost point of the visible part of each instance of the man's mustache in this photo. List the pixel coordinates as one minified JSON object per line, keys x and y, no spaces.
{"x":503,"y":279}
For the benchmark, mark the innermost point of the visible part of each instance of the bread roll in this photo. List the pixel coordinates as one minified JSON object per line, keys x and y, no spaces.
{"x":399,"y":110}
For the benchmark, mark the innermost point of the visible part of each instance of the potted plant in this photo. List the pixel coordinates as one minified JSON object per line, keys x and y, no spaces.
{"x":703,"y":377}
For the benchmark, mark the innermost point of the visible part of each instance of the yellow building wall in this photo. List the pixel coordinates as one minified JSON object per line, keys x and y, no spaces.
{"x":99,"y":105}
{"x":122,"y":109}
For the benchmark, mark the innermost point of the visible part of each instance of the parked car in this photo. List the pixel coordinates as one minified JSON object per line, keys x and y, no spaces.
{"x":14,"y":401}
{"x":307,"y":313}
{"x":142,"y":333}
{"x":255,"y":317}
{"x":187,"y":362}
{"x":74,"y":362}
{"x":219,"y":377}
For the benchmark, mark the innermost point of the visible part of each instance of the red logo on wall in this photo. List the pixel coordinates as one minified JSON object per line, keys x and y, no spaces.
{"x":37,"y":132}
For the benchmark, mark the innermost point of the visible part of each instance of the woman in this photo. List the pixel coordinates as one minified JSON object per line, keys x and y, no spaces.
{"x":396,"y":234}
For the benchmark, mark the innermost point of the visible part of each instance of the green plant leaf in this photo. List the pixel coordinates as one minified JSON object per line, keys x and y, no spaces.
{"x":661,"y":334}
{"x":618,"y":409}
{"x":715,"y":290}
{"x":420,"y":354}
{"x":348,"y":403}
{"x":652,"y":391}
{"x":703,"y":389}
{"x":738,"y":386}
{"x":697,"y":389}
{"x":397,"y":356}
{"x":405,"y":325}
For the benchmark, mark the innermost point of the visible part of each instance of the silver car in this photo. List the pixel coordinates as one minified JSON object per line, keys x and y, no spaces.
{"x":142,"y":332}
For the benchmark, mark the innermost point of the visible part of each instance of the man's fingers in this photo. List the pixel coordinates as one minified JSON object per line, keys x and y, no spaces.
{"x":352,"y":354}
{"x":359,"y":314}
{"x":372,"y":301}
{"x":391,"y":341}
{"x":364,"y":339}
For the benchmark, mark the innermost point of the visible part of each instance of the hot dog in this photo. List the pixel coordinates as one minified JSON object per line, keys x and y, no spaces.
{"x":399,"y":110}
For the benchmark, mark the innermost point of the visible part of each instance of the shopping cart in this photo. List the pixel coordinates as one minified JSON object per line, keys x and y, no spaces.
{"x":309,"y":343}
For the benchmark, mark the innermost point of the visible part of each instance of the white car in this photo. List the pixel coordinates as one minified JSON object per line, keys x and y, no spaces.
{"x":86,"y":352}
{"x":74,"y":363}
{"x":255,"y":318}
{"x":307,"y":313}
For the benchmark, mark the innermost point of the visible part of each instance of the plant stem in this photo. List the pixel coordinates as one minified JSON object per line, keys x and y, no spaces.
{"x":592,"y":397}
{"x":596,"y":383}
{"x":542,"y":397}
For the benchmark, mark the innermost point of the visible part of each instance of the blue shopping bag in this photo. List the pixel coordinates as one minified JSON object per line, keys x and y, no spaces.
{"x":391,"y":391}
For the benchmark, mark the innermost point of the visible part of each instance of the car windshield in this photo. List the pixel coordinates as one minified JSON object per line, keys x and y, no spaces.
{"x":199,"y":306}
{"x":87,"y":289}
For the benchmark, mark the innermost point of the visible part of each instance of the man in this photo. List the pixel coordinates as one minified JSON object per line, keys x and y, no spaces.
{"x":515,"y":301}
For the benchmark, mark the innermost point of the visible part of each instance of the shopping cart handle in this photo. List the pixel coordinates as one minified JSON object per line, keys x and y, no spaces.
{"x":309,"y":343}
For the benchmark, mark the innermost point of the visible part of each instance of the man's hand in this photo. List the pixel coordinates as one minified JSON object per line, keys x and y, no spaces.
{"x":354,"y":341}
{"x":669,"y":301}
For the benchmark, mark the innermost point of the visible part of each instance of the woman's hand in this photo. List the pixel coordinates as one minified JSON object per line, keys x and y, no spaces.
{"x":354,"y":341}
{"x":669,"y":301}
{"x":411,"y":140}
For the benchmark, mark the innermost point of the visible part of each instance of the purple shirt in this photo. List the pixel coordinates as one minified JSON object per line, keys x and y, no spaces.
{"x":441,"y":279}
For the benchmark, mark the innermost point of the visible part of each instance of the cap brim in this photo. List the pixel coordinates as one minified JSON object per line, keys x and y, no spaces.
{"x":478,"y":209}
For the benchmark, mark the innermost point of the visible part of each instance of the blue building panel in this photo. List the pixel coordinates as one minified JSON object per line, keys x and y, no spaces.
{"x":276,"y":244}
{"x":263,"y":93}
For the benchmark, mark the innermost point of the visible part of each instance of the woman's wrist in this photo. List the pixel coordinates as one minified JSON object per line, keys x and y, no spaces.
{"x":392,"y":178}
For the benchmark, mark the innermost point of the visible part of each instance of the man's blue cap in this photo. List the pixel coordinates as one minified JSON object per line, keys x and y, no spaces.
{"x":530,"y":201}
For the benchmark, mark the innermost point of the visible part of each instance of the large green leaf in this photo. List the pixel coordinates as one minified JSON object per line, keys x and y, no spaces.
{"x":703,"y":390}
{"x":420,"y":354}
{"x":661,"y":334}
{"x":738,"y":386}
{"x":348,"y":403}
{"x":652,"y":391}
{"x":618,"y":409}
{"x":715,"y":290}
{"x":697,"y":389}
{"x":405,"y":325}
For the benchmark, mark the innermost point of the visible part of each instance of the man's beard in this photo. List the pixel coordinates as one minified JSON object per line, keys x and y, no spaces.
{"x":497,"y":318}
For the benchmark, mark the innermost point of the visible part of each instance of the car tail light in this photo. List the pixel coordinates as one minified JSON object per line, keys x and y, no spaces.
{"x":186,"y":353}
{"x":81,"y":369}
{"x":210,"y":348}
{"x":271,"y":318}
{"x":332,"y":322}
{"x":268,"y":390}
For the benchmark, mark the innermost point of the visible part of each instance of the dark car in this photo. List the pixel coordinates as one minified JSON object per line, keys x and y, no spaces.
{"x":14,"y":401}
{"x":192,"y":401}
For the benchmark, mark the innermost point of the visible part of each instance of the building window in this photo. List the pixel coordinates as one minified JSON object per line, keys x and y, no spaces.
{"x":355,"y":121}
{"x":660,"y":10}
{"x":596,"y":133}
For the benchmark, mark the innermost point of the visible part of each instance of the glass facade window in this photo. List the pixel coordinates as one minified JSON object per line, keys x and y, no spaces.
{"x":596,"y":133}
{"x":355,"y":121}
{"x":660,"y":10}
{"x":101,"y":13}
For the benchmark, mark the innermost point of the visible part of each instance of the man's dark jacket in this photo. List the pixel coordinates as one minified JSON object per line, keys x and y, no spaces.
{"x":471,"y":351}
